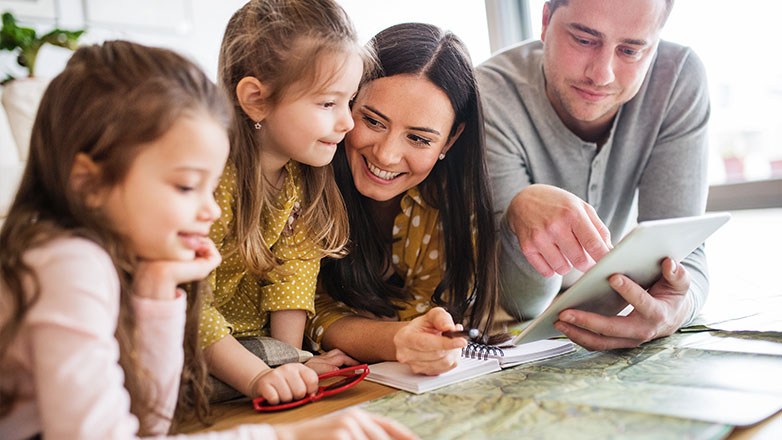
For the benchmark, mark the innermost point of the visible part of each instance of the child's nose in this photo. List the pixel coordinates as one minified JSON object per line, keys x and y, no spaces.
{"x":210,"y":210}
{"x":344,"y":121}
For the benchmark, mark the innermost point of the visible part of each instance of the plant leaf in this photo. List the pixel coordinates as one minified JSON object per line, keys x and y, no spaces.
{"x":61,"y":38}
{"x":13,"y":36}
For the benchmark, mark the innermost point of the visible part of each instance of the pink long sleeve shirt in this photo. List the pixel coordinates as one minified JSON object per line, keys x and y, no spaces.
{"x":64,"y":361}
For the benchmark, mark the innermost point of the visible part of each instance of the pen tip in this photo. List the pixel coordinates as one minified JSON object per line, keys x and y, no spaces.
{"x":473,"y":333}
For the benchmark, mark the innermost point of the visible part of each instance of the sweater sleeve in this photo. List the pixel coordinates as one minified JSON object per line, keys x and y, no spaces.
{"x":161,"y":328}
{"x":70,"y":330}
{"x":328,"y":311}
{"x":79,"y":382}
{"x":674,"y":182}
{"x":505,"y":157}
{"x":523,"y":291}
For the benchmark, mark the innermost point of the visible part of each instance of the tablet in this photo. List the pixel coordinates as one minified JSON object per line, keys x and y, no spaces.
{"x":639,"y":256}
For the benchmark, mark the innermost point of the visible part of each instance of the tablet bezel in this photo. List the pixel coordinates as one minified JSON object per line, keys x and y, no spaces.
{"x":639,"y":256}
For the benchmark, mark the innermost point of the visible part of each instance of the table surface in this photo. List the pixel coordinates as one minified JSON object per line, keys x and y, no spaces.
{"x":238,"y":413}
{"x":742,"y":254}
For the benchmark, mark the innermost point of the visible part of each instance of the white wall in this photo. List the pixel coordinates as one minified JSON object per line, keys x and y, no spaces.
{"x":196,"y":27}
{"x":465,"y":18}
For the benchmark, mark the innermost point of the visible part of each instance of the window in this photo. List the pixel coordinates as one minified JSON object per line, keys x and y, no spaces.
{"x":737,"y":45}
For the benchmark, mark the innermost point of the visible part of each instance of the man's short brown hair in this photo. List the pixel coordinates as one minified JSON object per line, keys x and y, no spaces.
{"x":554,"y":4}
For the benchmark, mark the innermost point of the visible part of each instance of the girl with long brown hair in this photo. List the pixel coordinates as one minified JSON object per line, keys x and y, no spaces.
{"x":112,"y":214}
{"x":291,"y":68}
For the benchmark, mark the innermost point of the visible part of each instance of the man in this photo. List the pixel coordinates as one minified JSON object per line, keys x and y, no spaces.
{"x":578,"y":125}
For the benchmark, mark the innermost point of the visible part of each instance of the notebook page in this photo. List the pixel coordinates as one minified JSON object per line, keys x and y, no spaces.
{"x":399,"y":375}
{"x":535,"y":351}
{"x":517,"y":354}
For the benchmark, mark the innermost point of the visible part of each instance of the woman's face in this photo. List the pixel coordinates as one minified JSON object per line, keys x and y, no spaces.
{"x":402,"y":124}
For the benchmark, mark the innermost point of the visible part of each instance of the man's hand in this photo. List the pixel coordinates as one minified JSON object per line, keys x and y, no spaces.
{"x":557,"y":230}
{"x":658,"y":312}
{"x":420,"y":343}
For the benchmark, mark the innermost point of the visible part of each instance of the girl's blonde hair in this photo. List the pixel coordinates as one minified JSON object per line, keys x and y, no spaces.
{"x":109,"y":100}
{"x":280,"y":42}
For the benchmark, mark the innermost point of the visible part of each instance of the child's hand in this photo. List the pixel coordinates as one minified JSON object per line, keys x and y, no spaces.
{"x":207,"y":258}
{"x":330,"y":361}
{"x":285,"y":383}
{"x":353,"y":424}
{"x":158,"y":279}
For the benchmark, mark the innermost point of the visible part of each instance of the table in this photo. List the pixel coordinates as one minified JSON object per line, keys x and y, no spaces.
{"x":744,"y":267}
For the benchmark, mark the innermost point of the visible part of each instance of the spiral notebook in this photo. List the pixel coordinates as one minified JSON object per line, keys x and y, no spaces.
{"x":477,"y":360}
{"x":512,"y":355}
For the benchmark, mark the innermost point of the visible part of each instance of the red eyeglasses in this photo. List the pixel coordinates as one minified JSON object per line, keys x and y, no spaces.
{"x":352,"y":376}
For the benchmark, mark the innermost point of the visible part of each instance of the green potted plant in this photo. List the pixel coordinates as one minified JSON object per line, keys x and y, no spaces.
{"x":21,"y":96}
{"x":25,"y":40}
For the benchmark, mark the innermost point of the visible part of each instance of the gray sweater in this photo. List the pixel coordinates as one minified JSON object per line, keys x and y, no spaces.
{"x":656,"y":151}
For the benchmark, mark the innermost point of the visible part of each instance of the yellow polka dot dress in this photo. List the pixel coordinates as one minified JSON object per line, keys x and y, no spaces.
{"x":241,"y":302}
{"x":416,"y":256}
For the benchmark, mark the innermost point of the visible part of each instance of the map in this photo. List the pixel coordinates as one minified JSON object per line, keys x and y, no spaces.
{"x":688,"y":385}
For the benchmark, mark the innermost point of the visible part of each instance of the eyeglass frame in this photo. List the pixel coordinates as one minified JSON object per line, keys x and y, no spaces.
{"x":322,"y":392}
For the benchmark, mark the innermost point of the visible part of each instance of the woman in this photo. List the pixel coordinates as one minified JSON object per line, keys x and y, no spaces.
{"x":412,"y":172}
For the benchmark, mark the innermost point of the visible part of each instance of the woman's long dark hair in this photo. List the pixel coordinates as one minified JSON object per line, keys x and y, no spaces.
{"x":457,"y":186}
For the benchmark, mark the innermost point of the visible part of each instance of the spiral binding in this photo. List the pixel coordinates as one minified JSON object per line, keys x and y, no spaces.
{"x":474,"y":350}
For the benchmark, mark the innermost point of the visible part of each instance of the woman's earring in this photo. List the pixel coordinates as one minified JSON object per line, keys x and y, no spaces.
{"x":258,"y":125}
{"x":441,"y":156}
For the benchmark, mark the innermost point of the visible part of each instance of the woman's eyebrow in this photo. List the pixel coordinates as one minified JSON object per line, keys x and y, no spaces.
{"x":382,"y":116}
{"x":425,"y":129}
{"x":385,"y":118}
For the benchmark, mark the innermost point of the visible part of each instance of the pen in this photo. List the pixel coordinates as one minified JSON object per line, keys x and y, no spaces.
{"x":469,"y":334}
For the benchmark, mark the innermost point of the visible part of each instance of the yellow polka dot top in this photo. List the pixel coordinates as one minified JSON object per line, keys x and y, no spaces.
{"x":416,"y":257}
{"x":241,"y":302}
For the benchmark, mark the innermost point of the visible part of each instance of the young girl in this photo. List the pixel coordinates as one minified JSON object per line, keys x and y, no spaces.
{"x":413,"y":176}
{"x":112,"y":214}
{"x":291,"y":68}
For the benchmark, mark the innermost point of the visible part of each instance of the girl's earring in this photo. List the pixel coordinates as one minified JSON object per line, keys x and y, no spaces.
{"x":441,"y":156}
{"x":258,"y":125}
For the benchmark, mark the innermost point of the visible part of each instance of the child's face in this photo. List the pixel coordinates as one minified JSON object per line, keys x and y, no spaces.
{"x":308,"y":127}
{"x":165,"y":205}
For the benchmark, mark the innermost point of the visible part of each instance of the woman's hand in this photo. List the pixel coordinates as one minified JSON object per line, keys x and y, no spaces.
{"x":420,"y":343}
{"x":157,"y":279}
{"x":348,"y":425}
{"x":285,"y":383}
{"x":332,"y":360}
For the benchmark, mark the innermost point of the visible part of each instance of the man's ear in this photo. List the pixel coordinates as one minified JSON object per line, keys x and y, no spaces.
{"x":546,"y":20}
{"x":84,"y":177}
{"x":453,"y":138}
{"x":252,"y":95}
